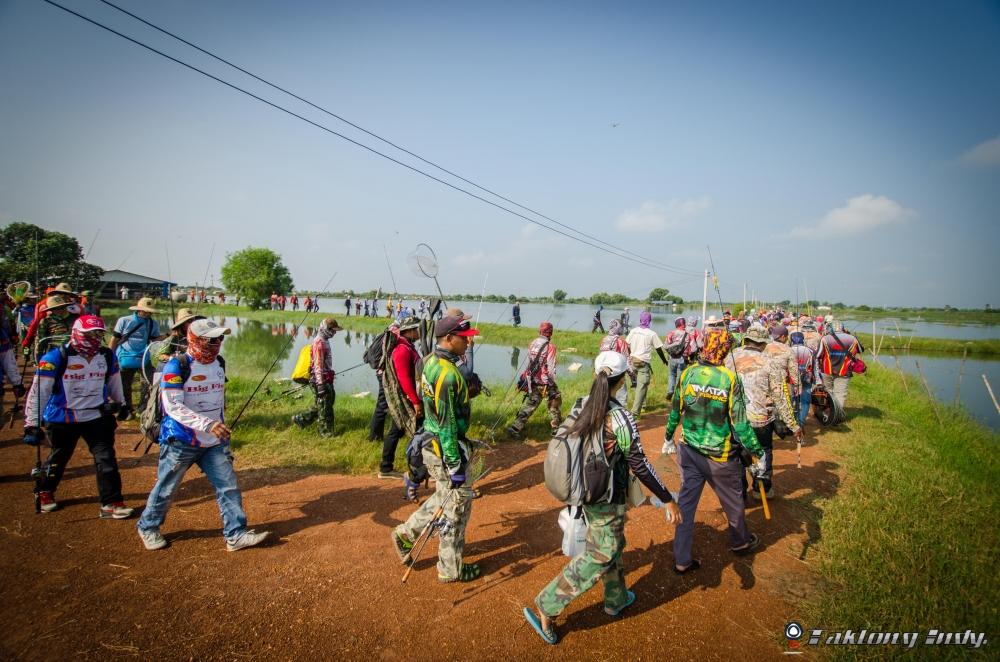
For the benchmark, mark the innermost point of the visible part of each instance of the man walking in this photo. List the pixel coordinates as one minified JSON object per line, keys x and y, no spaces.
{"x":805,"y":359}
{"x":321,"y":377}
{"x":445,"y":453}
{"x":74,"y":394}
{"x":539,"y":381}
{"x":131,"y":337}
{"x":399,"y":392}
{"x":597,"y":319}
{"x":837,"y":352}
{"x":347,"y":306}
{"x":642,"y":340}
{"x":614,"y":342}
{"x":193,"y":396}
{"x":515,"y":314}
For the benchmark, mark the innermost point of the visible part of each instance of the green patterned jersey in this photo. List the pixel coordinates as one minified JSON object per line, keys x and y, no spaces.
{"x":711,"y":400}
{"x":446,"y":404}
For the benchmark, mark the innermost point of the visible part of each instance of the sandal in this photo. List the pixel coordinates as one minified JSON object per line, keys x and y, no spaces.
{"x":694,"y":565}
{"x":748,"y":548}
{"x":468,"y":572}
{"x":548,"y":636}
{"x":629,"y":599}
{"x":403,"y":547}
{"x":476,"y":493}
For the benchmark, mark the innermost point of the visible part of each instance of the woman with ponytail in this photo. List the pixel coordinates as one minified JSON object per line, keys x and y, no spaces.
{"x":602,"y":558}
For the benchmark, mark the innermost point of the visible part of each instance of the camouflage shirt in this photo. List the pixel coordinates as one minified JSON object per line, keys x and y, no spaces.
{"x":52,"y":332}
{"x":765,"y":387}
{"x":784,"y":357}
{"x":711,"y":399}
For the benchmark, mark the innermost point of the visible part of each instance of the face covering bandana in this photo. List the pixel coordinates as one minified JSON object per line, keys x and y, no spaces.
{"x":86,"y":344}
{"x":645,"y":319}
{"x":203,"y":350}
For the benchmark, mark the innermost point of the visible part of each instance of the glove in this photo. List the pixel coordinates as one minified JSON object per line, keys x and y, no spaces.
{"x":19,"y":390}
{"x":33,"y":435}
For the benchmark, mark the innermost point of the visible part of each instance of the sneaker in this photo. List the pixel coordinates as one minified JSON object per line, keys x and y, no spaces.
{"x":152,"y":539}
{"x":513,"y":434}
{"x":669,"y":448}
{"x":403,"y":546}
{"x":117,"y":510}
{"x":390,"y":475}
{"x":297,"y":420}
{"x":246,"y":539}
{"x":48,"y":501}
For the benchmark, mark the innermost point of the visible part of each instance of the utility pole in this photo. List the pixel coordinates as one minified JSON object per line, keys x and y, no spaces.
{"x":704,"y":301}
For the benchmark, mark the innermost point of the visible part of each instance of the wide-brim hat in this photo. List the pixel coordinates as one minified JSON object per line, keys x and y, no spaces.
{"x":144,"y":305}
{"x":457,"y":312}
{"x":409,"y":322}
{"x":63,"y":288}
{"x":54,"y":301}
{"x":185,"y":315}
{"x":331,"y":324}
{"x":757,"y":333}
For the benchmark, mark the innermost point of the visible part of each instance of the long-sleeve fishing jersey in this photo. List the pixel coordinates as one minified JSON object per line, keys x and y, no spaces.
{"x":446,"y":404}
{"x":712,"y":401}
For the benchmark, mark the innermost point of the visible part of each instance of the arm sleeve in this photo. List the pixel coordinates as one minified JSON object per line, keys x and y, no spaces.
{"x":172,"y":399}
{"x":738,"y":419}
{"x":317,"y":357}
{"x":10,"y":368}
{"x":446,"y":408}
{"x":404,"y":374}
{"x":675,"y":408}
{"x":778,"y":386}
{"x":29,"y":337}
{"x":659,"y":350}
{"x":41,"y":388}
{"x":550,"y":363}
{"x":638,"y":464}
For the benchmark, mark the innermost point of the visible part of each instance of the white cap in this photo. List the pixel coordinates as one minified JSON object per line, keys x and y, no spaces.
{"x":208,"y":329}
{"x":613,"y":363}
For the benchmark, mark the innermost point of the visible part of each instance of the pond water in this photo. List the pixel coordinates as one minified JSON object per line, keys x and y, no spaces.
{"x":255,"y":345}
{"x":579,"y":317}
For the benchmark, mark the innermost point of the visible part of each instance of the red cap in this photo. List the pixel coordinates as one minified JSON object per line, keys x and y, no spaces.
{"x":454,"y":326}
{"x":86,"y":323}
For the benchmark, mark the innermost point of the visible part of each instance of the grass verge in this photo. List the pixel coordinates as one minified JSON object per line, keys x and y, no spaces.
{"x":910,"y":542}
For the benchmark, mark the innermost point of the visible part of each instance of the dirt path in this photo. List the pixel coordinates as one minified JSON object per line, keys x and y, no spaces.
{"x":328,"y":586}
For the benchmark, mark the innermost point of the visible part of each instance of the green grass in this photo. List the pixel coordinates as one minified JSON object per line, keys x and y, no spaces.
{"x":910,"y":542}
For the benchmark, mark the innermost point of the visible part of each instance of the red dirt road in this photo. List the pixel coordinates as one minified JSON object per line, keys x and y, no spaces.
{"x":327,"y":585}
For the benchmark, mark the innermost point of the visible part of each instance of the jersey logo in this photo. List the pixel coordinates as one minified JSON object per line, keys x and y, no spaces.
{"x":74,"y":366}
{"x":45,"y":365}
{"x":199,"y":378}
{"x":170,"y":378}
{"x":711,"y":392}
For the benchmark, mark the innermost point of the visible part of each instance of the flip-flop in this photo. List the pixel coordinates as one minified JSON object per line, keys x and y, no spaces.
{"x":548,"y":636}
{"x":476,"y":493}
{"x":695,"y":564}
{"x":629,"y":599}
{"x":751,"y":546}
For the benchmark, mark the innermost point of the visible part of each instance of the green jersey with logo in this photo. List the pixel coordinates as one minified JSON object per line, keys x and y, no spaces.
{"x":446,"y":404}
{"x":712,"y":402}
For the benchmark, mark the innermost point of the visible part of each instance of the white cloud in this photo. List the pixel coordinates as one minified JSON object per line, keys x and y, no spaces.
{"x":657,"y":217}
{"x":861,"y":214}
{"x":984,"y":154}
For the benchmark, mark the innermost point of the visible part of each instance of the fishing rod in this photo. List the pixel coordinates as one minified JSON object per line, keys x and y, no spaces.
{"x":481,"y":295}
{"x":296,"y":389}
{"x":170,"y":278}
{"x":715,"y":284}
{"x":277,"y":357}
{"x":37,"y":474}
{"x":204,"y":280}
{"x":385,"y":251}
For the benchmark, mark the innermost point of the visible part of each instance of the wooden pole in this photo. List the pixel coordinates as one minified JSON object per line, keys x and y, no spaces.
{"x":987,"y":382}
{"x":929,"y":393}
{"x":961,"y":373}
{"x":902,"y":375}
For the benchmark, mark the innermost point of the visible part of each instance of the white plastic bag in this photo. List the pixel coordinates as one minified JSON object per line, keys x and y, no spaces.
{"x":574,"y":529}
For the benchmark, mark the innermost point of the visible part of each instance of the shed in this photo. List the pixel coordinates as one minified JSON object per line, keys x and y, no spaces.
{"x":136,"y":285}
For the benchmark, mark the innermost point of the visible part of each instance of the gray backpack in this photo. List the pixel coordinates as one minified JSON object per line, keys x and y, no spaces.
{"x":577,"y":472}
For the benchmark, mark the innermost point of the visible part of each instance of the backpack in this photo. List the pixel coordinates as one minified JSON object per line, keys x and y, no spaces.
{"x":676,"y":349}
{"x":379,"y":351}
{"x":152,"y":415}
{"x":577,"y":472}
{"x":300,"y":373}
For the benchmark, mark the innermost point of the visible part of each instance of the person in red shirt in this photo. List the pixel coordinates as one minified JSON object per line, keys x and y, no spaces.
{"x":321,"y":376}
{"x":401,"y":375}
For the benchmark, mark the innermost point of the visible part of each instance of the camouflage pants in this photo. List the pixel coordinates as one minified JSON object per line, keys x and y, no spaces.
{"x":457,"y":510}
{"x":531,"y":403}
{"x":322,"y":409}
{"x":602,"y":559}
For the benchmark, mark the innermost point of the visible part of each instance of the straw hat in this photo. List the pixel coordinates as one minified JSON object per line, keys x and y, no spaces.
{"x":145,"y":305}
{"x":54,"y":301}
{"x":185,"y":315}
{"x":63,"y":288}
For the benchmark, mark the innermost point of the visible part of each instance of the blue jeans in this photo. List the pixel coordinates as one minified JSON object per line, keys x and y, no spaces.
{"x":804,"y":399}
{"x":676,"y":368}
{"x":217,"y":464}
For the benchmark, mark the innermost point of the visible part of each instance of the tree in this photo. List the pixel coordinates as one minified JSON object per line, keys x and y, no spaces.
{"x":60,"y":257}
{"x":559,"y":295}
{"x":254,"y":273}
{"x":511,"y":299}
{"x":658,"y":294}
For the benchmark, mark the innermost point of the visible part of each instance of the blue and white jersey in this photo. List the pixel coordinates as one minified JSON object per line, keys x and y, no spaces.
{"x":84,"y":386}
{"x":192,"y":407}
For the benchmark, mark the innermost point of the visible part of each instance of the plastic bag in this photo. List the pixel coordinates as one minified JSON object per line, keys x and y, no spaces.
{"x":574,"y":529}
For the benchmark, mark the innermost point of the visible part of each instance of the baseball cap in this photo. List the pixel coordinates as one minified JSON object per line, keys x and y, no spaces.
{"x":208,"y":329}
{"x":457,"y":312}
{"x":778,"y":331}
{"x":613,"y":363}
{"x":452,"y":325}
{"x":86,"y":323}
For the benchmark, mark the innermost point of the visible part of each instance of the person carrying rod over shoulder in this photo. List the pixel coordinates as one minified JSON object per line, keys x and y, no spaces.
{"x":445,"y":452}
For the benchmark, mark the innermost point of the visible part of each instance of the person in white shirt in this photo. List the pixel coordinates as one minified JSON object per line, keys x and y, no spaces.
{"x":641,"y":342}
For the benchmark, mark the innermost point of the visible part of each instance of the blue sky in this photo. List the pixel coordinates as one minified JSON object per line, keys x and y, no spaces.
{"x":852,"y":146}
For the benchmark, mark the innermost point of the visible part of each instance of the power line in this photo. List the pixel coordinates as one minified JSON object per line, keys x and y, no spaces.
{"x":387,"y":141}
{"x":641,"y":260}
